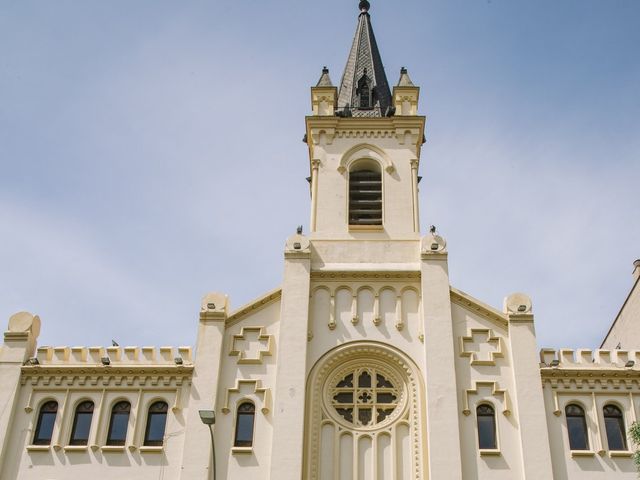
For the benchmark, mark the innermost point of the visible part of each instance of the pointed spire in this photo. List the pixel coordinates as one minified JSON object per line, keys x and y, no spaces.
{"x":325,"y":80}
{"x":364,"y":88}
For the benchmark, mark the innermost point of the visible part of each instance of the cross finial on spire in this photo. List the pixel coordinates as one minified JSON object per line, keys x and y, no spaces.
{"x":364,"y":6}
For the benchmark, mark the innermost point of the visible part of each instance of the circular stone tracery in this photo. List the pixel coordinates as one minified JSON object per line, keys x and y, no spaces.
{"x":365,"y":395}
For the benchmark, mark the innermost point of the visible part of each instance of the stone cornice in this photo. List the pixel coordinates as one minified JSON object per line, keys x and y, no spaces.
{"x":590,"y":379}
{"x":88,"y":375}
{"x":465,"y":300}
{"x":380,"y":276}
{"x":255,"y":305}
{"x":364,"y":127}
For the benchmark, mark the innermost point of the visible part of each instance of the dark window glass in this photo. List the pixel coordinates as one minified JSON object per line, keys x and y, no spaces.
{"x":156,"y":421}
{"x":364,"y":91}
{"x":486,"y":427}
{"x":81,"y":424}
{"x":365,"y":197}
{"x":119,"y":423}
{"x":365,"y":97}
{"x":577,"y":428}
{"x":244,"y":425}
{"x":614,"y":425}
{"x":45,"y":423}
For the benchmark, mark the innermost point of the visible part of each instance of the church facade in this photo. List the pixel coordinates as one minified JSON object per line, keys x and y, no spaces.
{"x":366,"y":363}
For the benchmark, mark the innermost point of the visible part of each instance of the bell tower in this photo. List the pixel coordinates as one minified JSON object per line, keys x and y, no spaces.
{"x":364,"y":144}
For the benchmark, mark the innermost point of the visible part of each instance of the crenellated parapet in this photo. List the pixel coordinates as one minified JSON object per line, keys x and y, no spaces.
{"x":108,"y":367}
{"x":587,"y":359}
{"x":113,"y":356}
{"x":590,"y":370}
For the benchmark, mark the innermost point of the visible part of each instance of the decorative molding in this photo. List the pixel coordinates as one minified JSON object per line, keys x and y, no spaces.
{"x":91,"y":376}
{"x":495,"y":391}
{"x":370,"y":276}
{"x":465,"y":300}
{"x":262,"y":336}
{"x":258,"y":391}
{"x":369,"y":133}
{"x":251,"y":307}
{"x":496,"y":342}
{"x":365,"y":151}
{"x":587,"y":380}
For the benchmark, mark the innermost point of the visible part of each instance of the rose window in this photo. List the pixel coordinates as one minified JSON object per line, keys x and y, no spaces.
{"x":364,"y":397}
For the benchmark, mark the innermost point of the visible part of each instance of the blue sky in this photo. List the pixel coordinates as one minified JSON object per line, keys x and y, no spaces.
{"x":150,"y":152}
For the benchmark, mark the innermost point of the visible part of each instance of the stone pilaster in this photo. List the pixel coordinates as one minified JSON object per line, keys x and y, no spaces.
{"x":442,"y":396}
{"x":196,"y":459}
{"x":528,"y":397}
{"x":19,"y":346}
{"x":289,"y":401}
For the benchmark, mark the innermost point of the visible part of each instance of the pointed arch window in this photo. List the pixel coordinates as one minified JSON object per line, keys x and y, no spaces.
{"x":45,"y":423}
{"x":365,"y":194}
{"x":486,"y":418}
{"x":245,"y":422}
{"x":81,"y":424}
{"x":614,"y":425}
{"x":156,"y":422}
{"x":119,"y":423}
{"x":576,"y":427}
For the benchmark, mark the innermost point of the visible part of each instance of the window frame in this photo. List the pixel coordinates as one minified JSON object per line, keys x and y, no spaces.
{"x":621,"y":424}
{"x":494,"y":425}
{"x":109,"y":441}
{"x":587,"y":446}
{"x":244,"y":444}
{"x":74,"y":425}
{"x":147,"y":442}
{"x":38,"y":426}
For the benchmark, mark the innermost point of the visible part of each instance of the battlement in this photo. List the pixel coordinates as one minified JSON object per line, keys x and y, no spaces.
{"x":117,"y":356}
{"x":590,"y":359}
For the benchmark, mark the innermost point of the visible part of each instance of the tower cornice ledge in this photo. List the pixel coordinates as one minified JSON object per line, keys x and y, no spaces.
{"x":359,"y":123}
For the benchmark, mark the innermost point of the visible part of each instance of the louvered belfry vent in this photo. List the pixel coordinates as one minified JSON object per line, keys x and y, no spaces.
{"x":365,"y":198}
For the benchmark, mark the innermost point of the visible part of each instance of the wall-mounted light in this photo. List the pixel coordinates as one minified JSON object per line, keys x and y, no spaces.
{"x":554,"y":363}
{"x":630,"y":364}
{"x":178,"y":360}
{"x":522,"y":308}
{"x":105,"y":361}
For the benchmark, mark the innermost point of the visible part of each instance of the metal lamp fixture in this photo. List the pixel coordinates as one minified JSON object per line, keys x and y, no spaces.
{"x":208,"y":417}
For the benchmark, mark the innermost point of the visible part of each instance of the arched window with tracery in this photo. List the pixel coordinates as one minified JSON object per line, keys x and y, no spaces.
{"x":365,"y":397}
{"x":81,"y":423}
{"x":45,"y":423}
{"x":576,"y":427}
{"x":245,"y":423}
{"x":119,"y":423}
{"x":364,"y":415}
{"x":614,"y":425}
{"x":486,"y":418}
{"x":365,"y":194}
{"x":156,"y":422}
